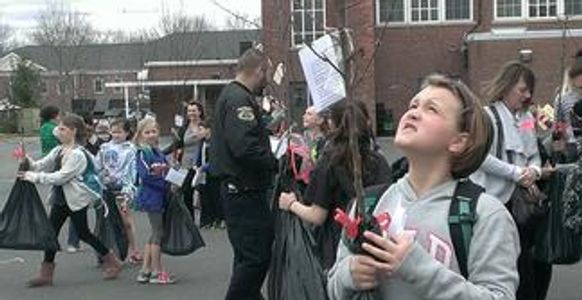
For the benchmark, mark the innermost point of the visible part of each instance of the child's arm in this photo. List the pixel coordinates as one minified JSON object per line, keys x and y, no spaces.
{"x":74,"y":165}
{"x":145,"y":176}
{"x":47,"y":163}
{"x":128,"y":175}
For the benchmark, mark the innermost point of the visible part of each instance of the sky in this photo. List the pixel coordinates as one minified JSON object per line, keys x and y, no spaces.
{"x":129,"y":15}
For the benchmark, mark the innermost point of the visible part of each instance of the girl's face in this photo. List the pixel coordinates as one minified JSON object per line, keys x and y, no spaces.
{"x":65,"y":134}
{"x":430,"y":125}
{"x":193,"y":113}
{"x":518,"y":97}
{"x":150,"y":135}
{"x":118,"y":135}
{"x":311,"y":119}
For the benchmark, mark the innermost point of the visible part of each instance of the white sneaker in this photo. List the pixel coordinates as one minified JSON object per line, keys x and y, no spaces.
{"x":73,"y":249}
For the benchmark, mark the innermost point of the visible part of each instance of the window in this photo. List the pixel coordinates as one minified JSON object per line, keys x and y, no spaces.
{"x":308,"y":20}
{"x":508,"y":8}
{"x":458,"y":10}
{"x":391,"y":10}
{"x":542,"y":8}
{"x":98,"y":86}
{"x":422,"y":11}
{"x":118,"y":90}
{"x":536,"y":9}
{"x":573,"y":7}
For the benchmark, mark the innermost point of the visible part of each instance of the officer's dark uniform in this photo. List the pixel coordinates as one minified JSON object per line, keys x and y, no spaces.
{"x":242,"y":157}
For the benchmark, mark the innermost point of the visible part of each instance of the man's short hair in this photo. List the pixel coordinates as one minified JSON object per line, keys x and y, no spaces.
{"x":250,"y":60}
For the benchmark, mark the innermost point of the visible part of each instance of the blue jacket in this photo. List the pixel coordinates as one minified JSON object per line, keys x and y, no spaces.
{"x":153,"y":189}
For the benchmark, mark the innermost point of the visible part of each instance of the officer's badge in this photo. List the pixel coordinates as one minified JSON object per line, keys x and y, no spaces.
{"x":245,"y":113}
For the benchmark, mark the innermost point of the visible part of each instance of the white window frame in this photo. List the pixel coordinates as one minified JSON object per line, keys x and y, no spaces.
{"x":560,"y":11}
{"x":441,"y":15}
{"x":324,"y":8}
{"x":102,"y":91}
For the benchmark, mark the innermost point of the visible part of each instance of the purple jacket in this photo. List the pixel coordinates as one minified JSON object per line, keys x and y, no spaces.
{"x":153,"y":189}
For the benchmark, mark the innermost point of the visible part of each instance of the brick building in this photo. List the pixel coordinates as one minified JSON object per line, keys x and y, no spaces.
{"x":468,"y":39}
{"x":158,"y":75}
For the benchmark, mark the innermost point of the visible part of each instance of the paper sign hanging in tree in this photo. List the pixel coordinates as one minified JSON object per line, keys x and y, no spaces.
{"x":326,"y":84}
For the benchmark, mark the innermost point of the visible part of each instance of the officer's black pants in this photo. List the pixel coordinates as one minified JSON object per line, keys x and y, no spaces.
{"x":250,"y":231}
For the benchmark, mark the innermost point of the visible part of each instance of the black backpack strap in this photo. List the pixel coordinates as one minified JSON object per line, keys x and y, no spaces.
{"x":462,"y":217}
{"x":499,"y":125}
{"x":372,"y":195}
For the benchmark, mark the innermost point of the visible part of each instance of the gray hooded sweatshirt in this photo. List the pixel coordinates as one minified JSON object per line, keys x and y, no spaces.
{"x":430,"y":270}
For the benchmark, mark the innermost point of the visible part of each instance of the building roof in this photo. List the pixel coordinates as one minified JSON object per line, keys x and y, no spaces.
{"x":133,"y":56}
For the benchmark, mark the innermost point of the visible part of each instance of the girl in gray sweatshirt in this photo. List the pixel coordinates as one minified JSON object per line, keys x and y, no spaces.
{"x":444,"y":135}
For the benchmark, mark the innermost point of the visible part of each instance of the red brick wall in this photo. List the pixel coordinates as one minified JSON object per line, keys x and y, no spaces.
{"x":277,"y":32}
{"x":408,"y":54}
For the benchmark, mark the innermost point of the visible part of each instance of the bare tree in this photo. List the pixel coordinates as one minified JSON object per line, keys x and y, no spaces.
{"x":5,"y":37}
{"x":63,"y":30}
{"x":239,"y":21}
{"x":176,"y":22}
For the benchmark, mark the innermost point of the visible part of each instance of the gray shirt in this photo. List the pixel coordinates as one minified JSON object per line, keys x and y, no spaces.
{"x":498,"y":176}
{"x":430,"y":270}
{"x":192,"y":147}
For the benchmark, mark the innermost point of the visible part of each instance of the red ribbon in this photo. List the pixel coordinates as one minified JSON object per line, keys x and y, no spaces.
{"x":18,"y":153}
{"x":384,"y":221}
{"x":349,"y":224}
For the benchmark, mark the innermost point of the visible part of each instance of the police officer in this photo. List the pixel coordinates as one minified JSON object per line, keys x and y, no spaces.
{"x":241,"y":155}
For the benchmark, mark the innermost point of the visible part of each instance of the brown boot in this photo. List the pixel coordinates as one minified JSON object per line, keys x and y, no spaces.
{"x":111,"y":266}
{"x":45,"y":276}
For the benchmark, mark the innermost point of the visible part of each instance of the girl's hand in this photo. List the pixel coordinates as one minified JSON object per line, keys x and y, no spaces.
{"x":528,"y":177}
{"x":388,"y":253}
{"x":364,"y":272}
{"x":24,"y":176}
{"x":548,"y":171}
{"x":286,"y":200}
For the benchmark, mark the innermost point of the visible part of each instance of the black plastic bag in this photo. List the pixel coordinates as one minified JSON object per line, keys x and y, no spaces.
{"x":110,"y":229}
{"x":555,"y":243}
{"x":181,"y":236}
{"x":296,"y":271}
{"x":24,"y":224}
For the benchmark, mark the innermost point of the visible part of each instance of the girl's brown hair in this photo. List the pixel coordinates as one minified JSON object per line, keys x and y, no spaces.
{"x":77,"y":123}
{"x":472,"y":120}
{"x":506,"y":79}
{"x":141,"y":126}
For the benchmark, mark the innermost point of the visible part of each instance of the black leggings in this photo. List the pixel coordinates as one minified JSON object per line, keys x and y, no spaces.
{"x":58,"y":216}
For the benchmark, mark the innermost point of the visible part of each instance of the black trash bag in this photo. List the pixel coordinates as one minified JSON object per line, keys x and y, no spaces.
{"x":110,"y":229}
{"x":181,"y":236}
{"x":24,"y":224}
{"x":554,"y":242}
{"x":296,"y":271}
